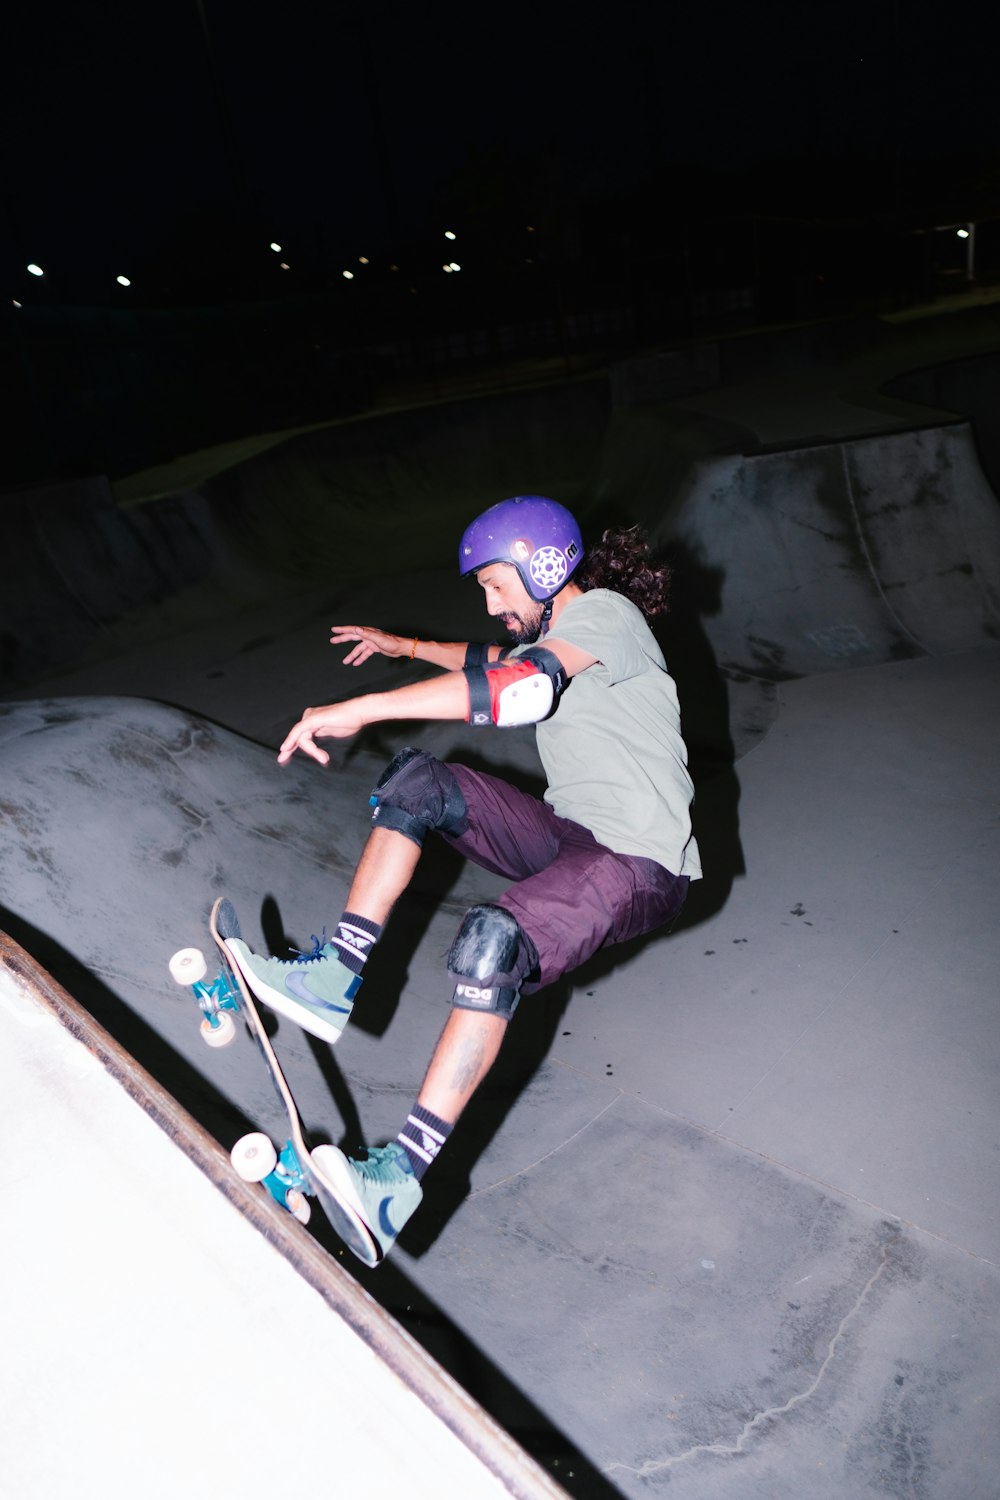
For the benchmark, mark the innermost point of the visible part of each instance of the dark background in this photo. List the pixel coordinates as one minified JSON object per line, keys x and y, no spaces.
{"x":615,"y":180}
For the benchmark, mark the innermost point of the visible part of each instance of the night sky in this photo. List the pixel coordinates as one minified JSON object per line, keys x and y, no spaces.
{"x":341,"y":129}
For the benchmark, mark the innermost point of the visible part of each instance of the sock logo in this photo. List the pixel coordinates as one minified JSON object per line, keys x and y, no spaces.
{"x":355,"y":937}
{"x":421,"y":1140}
{"x":357,"y":940}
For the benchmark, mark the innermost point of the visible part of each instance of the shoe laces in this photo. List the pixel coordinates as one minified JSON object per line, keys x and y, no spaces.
{"x":384,"y":1163}
{"x":318,"y":944}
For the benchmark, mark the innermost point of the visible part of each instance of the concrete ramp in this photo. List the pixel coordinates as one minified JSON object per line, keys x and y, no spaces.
{"x":121,"y":820}
{"x":124,"y":819}
{"x":721,"y":1224}
{"x":75,"y":562}
{"x":149,"y":1331}
{"x":847,"y":554}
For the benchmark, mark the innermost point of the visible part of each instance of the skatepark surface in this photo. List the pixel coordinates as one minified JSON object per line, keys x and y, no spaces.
{"x":724,"y":1221}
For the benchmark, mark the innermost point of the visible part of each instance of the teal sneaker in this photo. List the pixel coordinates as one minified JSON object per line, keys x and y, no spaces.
{"x":315,"y":991}
{"x":376,"y":1197}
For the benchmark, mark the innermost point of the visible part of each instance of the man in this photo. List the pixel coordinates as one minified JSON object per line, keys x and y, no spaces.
{"x":607,"y":855}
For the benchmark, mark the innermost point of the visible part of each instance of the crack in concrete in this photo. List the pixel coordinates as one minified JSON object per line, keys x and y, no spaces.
{"x":730,"y":1450}
{"x":530,"y":1166}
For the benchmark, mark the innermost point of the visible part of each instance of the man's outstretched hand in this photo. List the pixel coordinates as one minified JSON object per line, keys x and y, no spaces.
{"x":369,"y":642}
{"x":336,"y":721}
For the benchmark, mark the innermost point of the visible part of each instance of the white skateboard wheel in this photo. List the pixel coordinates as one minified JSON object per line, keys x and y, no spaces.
{"x":221,"y":1034}
{"x":298,"y":1205}
{"x":254,"y":1157}
{"x":188,"y":966}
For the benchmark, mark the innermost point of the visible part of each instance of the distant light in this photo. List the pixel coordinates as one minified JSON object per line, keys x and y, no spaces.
{"x":393,"y":268}
{"x":529,"y":228}
{"x":275,"y":245}
{"x":285,"y":266}
{"x":963,"y":234}
{"x":347,"y":275}
{"x":123,"y":281}
{"x":16,"y":303}
{"x":449,"y":234}
{"x":446,"y":268}
{"x":35,"y":270}
{"x":363,"y":259}
{"x":454,"y":266}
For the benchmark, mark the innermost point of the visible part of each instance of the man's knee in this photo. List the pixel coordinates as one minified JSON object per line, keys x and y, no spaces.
{"x":416,"y":793}
{"x":489,"y":960}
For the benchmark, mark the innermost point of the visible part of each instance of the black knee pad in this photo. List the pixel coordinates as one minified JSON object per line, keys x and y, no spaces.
{"x":416,"y":792}
{"x":490,"y":958}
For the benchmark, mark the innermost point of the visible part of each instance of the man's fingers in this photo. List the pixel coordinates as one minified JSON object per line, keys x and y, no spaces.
{"x":332,"y":722}
{"x":304,"y":742}
{"x":369,"y":642}
{"x":359,"y":653}
{"x":309,"y":747}
{"x":295,"y":735}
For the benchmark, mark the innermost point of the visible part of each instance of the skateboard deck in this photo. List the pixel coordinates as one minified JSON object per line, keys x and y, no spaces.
{"x":295,"y":1174}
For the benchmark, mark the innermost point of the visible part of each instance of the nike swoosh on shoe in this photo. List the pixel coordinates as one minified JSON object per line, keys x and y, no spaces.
{"x":298,"y":983}
{"x":385,"y":1223}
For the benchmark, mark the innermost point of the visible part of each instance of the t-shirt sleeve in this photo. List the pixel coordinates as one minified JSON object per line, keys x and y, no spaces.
{"x":602,"y":624}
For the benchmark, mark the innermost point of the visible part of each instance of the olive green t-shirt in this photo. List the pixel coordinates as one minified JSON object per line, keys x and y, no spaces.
{"x":612,"y":751}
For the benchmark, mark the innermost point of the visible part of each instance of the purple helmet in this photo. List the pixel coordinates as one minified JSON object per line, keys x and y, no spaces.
{"x":537,"y":536}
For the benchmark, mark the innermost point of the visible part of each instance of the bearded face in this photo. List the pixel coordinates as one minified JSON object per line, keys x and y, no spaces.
{"x":525,"y":627}
{"x":508,"y":601}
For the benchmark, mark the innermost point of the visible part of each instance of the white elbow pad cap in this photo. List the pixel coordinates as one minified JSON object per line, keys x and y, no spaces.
{"x":526,"y":701}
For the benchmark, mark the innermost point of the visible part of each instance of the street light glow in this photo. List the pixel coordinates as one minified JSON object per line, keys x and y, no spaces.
{"x":347,"y":275}
{"x":963,"y":234}
{"x":123,"y":281}
{"x":35,"y":270}
{"x":449,"y":234}
{"x":275,"y":245}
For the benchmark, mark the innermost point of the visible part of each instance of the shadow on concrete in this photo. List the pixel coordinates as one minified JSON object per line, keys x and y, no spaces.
{"x":189,"y":1087}
{"x":704,"y":694}
{"x":484,"y":1382}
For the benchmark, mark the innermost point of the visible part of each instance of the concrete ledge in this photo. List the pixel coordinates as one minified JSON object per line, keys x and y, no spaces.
{"x":146,"y":1313}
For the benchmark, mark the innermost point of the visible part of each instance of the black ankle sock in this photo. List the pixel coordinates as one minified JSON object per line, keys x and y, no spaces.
{"x":422,"y":1137}
{"x":354,"y":939}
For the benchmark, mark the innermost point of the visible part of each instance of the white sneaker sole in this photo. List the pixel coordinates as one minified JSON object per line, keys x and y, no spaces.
{"x":334,"y":1173}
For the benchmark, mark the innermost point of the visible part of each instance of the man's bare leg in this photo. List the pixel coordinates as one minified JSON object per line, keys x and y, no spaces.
{"x":465,"y":1053}
{"x":384,"y":870}
{"x":380,"y":1192}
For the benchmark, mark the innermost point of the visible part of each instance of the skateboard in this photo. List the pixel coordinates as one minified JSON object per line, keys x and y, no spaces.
{"x":293,"y":1175}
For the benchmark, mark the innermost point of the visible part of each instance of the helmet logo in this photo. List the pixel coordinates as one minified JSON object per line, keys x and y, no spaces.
{"x":520,"y":550}
{"x":548,"y":568}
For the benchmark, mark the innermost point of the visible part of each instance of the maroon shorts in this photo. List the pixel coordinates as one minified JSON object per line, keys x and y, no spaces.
{"x":572,"y":895}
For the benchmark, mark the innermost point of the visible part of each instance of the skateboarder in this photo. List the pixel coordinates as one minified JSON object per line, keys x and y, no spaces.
{"x":606,"y":856}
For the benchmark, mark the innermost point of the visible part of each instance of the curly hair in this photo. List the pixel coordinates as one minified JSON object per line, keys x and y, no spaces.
{"x":622,"y":560}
